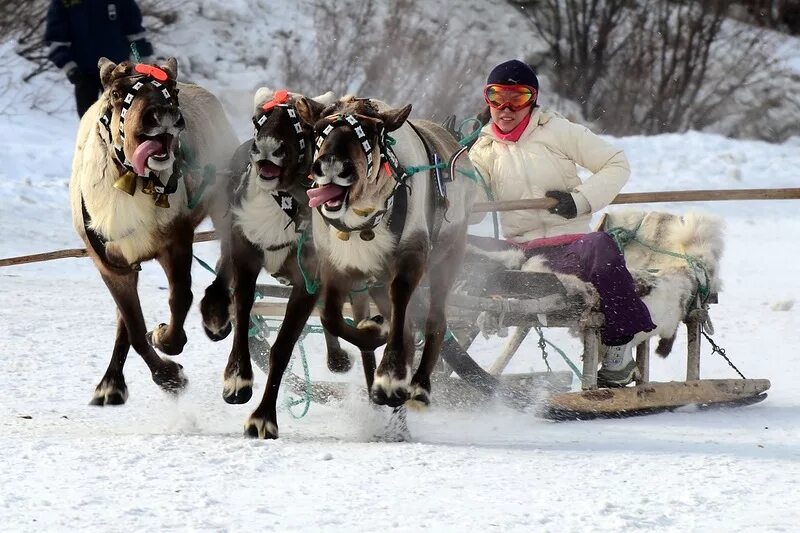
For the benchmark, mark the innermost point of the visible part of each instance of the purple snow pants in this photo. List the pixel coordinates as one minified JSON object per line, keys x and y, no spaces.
{"x":596,"y":259}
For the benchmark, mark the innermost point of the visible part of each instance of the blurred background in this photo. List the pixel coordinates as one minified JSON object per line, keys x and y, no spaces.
{"x":623,"y":67}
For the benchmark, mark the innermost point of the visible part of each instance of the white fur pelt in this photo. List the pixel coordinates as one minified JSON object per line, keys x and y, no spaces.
{"x":669,"y":283}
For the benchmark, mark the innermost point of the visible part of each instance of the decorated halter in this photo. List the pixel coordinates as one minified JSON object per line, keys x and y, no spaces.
{"x":358,"y":128}
{"x":146,"y":74}
{"x":391,"y":166}
{"x":281,"y":99}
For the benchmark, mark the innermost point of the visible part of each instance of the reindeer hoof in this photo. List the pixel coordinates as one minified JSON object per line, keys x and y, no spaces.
{"x":170,"y":378}
{"x":339,"y":361}
{"x":388,"y":395}
{"x":377,"y":325}
{"x":420,"y":398}
{"x":258,"y":428}
{"x":158,"y":339}
{"x":110,"y":392}
{"x":220,"y":334}
{"x":237,"y":390}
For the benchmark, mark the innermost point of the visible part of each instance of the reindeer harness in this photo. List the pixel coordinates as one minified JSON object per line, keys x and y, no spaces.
{"x":397,"y":201}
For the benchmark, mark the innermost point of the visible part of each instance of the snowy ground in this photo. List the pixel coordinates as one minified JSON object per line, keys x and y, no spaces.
{"x":157,"y":463}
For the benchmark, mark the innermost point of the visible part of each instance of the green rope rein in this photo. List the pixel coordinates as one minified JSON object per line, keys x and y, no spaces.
{"x":307,"y":392}
{"x":312,"y":286}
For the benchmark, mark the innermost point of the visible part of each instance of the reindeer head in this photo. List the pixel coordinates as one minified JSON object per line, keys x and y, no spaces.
{"x":142,"y":112}
{"x":282,"y":144}
{"x":347,"y":169}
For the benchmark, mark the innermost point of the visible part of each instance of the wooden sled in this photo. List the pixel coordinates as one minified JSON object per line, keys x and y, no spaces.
{"x":528,"y":300}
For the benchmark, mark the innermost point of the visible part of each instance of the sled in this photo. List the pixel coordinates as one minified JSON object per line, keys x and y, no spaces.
{"x":531,"y":301}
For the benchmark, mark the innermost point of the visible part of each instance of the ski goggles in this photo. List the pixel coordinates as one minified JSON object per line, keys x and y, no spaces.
{"x":515,"y":97}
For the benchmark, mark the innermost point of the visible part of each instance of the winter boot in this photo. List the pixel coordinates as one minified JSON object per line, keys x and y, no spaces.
{"x":618,"y":368}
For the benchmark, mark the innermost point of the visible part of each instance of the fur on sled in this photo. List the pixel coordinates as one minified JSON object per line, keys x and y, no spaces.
{"x":667,"y":283}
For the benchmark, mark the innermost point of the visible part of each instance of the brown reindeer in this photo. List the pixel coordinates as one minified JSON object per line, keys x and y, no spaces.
{"x":372,"y":221}
{"x":137,"y":173}
{"x":270,"y":215}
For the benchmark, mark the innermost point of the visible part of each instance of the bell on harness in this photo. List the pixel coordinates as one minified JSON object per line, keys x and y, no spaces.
{"x":149,"y":187}
{"x":127,"y":183}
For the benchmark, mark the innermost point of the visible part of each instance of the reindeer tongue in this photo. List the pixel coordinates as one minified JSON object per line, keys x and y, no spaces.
{"x":143,"y":152}
{"x":325,"y":193}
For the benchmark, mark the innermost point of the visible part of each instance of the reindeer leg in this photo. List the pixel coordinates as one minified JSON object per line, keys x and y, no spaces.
{"x":238,"y":377}
{"x":112,"y":389}
{"x":215,"y":305}
{"x":176,"y":260}
{"x":391,"y":385}
{"x":263,"y":423}
{"x":338,"y":359}
{"x":166,"y":374}
{"x":441,"y":275}
{"x":380,"y":296}
{"x":335,"y":287}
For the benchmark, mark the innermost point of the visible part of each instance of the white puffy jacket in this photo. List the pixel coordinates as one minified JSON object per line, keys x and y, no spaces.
{"x":544,"y":159}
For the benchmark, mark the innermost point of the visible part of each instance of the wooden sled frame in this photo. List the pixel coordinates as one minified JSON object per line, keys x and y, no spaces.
{"x":549,"y":390}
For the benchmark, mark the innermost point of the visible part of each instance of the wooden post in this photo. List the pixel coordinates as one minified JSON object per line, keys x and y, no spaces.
{"x":509,"y":350}
{"x":692,"y":349}
{"x":591,"y":355}
{"x":643,"y":361}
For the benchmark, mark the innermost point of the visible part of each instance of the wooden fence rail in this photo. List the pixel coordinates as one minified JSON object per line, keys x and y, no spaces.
{"x":483,"y":207}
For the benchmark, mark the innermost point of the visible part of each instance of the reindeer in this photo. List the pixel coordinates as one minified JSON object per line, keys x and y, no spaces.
{"x":139,"y":161}
{"x":270,"y":216}
{"x":374,"y":222}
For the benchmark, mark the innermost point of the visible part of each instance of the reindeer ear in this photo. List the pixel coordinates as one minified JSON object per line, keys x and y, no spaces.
{"x":394,"y":118}
{"x":106,"y":67}
{"x":309,"y":110}
{"x":171,"y":68}
{"x":262,"y":95}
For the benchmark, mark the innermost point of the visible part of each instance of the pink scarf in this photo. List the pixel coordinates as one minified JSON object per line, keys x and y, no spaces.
{"x":514,"y":134}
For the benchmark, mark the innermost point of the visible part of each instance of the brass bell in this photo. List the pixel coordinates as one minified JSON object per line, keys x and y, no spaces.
{"x":343,"y":235}
{"x":367,"y":235}
{"x":162,"y":200}
{"x":363,"y":212}
{"x":148,"y":187}
{"x":126,"y":183}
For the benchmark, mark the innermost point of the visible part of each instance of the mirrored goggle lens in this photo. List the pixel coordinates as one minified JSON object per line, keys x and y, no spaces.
{"x":512,"y":96}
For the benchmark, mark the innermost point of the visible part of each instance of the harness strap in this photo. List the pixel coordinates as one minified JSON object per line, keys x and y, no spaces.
{"x":281,"y":99}
{"x":160,"y":189}
{"x":439,"y":203}
{"x":293,"y":209}
{"x":340,"y":120}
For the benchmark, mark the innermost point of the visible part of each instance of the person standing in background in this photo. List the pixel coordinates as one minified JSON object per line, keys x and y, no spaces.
{"x":80,"y":32}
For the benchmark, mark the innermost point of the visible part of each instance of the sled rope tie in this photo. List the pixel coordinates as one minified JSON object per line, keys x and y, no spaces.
{"x":543,"y":342}
{"x":624,"y":236}
{"x":715,"y":348}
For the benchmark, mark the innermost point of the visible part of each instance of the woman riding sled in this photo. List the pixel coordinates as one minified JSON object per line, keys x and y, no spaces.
{"x":527,"y":152}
